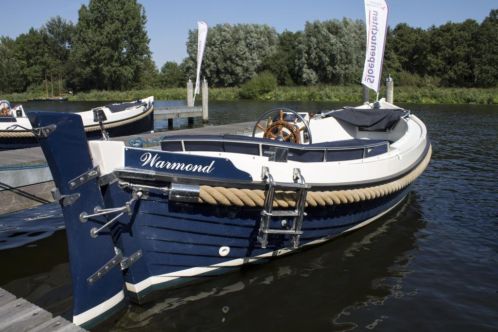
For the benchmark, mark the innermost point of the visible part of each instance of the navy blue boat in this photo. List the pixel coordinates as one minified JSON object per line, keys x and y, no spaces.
{"x":198,"y":206}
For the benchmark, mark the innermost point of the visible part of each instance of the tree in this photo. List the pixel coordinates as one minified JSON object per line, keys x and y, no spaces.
{"x":11,"y":68}
{"x":451,"y":52}
{"x":110,"y":47}
{"x":34,"y":53}
{"x":391,"y":63}
{"x":282,"y":62}
{"x":233,"y":54}
{"x":331,"y":52}
{"x":59,"y":34}
{"x":411,"y":48}
{"x":150,"y":76}
{"x":172,"y":75}
{"x":486,"y":48}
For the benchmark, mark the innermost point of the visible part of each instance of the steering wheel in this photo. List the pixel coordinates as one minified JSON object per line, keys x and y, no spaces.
{"x":277,"y":127}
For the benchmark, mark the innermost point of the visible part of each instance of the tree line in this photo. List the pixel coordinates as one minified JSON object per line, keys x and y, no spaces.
{"x":108,"y":49}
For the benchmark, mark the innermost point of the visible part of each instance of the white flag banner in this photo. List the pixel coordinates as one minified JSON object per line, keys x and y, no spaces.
{"x":376,"y":22}
{"x":202,"y":30}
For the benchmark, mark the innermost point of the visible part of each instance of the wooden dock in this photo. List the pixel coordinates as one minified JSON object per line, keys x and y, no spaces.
{"x":172,"y":113}
{"x":190,"y":111}
{"x":17,"y":315}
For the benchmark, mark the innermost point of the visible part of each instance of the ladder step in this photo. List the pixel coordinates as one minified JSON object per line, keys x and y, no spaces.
{"x":300,"y":188}
{"x":282,"y":231}
{"x":281,"y":213}
{"x":290,"y":185}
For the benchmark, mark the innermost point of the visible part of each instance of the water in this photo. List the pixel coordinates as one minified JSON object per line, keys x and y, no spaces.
{"x":430,"y":265}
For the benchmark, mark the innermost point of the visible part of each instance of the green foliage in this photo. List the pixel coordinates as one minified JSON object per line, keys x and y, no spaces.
{"x":451,"y":52}
{"x":486,"y":57}
{"x":108,"y":50}
{"x":33,"y":52}
{"x":331,"y":93}
{"x":258,"y":86}
{"x":233,"y":54}
{"x":110,"y":45}
{"x":410,"y":47}
{"x":172,"y":75}
{"x":331,"y":52}
{"x":404,"y":78}
{"x":37,"y":56}
{"x":60,"y":33}
{"x":12,"y":78}
{"x":281,"y":63}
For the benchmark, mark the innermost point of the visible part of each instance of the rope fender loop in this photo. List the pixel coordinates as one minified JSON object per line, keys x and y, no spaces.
{"x":284,"y":199}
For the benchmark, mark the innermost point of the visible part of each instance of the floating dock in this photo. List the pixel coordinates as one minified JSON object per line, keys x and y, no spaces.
{"x":179,"y":113}
{"x":19,"y":315}
{"x":25,"y":180}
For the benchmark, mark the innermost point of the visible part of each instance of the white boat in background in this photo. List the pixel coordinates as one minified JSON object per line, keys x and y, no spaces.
{"x":119,"y":119}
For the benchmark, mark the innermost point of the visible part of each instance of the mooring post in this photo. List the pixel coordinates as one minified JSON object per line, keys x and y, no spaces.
{"x":190,"y":93}
{"x":366,"y":97}
{"x":390,"y":90}
{"x":205,"y":99}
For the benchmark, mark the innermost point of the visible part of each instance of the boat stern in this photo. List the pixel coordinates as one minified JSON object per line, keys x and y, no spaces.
{"x":94,"y":260}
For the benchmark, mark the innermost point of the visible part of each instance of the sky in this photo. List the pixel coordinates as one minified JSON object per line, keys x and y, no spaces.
{"x":168,"y":22}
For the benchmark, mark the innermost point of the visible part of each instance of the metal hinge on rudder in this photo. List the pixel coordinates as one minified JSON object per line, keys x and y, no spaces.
{"x":123,"y":261}
{"x":84,"y":178}
{"x":64,"y":200}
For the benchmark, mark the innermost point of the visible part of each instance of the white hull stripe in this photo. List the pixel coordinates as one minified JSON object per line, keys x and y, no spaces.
{"x":99,"y":309}
{"x":195,"y":271}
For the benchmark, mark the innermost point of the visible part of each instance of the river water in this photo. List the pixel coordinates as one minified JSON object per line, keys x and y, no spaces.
{"x":429,"y":265}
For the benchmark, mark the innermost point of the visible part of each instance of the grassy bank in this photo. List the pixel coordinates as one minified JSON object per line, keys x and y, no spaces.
{"x":346,"y":94}
{"x":412,"y":95}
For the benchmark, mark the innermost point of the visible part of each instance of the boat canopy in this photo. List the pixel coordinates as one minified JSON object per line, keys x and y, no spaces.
{"x":118,"y":107}
{"x":380,"y":120}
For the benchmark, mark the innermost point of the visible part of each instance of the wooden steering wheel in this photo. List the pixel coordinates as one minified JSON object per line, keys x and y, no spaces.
{"x":277,"y":127}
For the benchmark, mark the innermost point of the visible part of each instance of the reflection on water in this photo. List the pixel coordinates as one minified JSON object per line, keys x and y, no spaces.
{"x":27,"y":226}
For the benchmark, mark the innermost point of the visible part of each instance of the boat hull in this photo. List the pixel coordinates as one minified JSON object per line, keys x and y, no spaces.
{"x":184,"y":242}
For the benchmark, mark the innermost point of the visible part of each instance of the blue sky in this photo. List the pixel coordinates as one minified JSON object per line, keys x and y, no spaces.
{"x":169,"y":21}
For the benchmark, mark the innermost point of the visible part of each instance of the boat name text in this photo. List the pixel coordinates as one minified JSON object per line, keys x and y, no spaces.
{"x":154,"y":161}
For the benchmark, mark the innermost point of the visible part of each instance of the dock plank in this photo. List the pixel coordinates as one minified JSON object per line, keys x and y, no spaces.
{"x":5,"y":297}
{"x":57,"y":324}
{"x":176,"y":113}
{"x":21,"y":315}
{"x":18,"y":315}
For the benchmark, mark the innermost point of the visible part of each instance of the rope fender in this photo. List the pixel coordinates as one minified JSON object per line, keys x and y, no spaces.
{"x":285,"y":199}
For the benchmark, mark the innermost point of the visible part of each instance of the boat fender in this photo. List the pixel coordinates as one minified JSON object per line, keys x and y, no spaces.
{"x":224,"y":251}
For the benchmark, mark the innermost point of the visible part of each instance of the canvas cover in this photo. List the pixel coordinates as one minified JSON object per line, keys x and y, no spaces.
{"x":370,"y":120}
